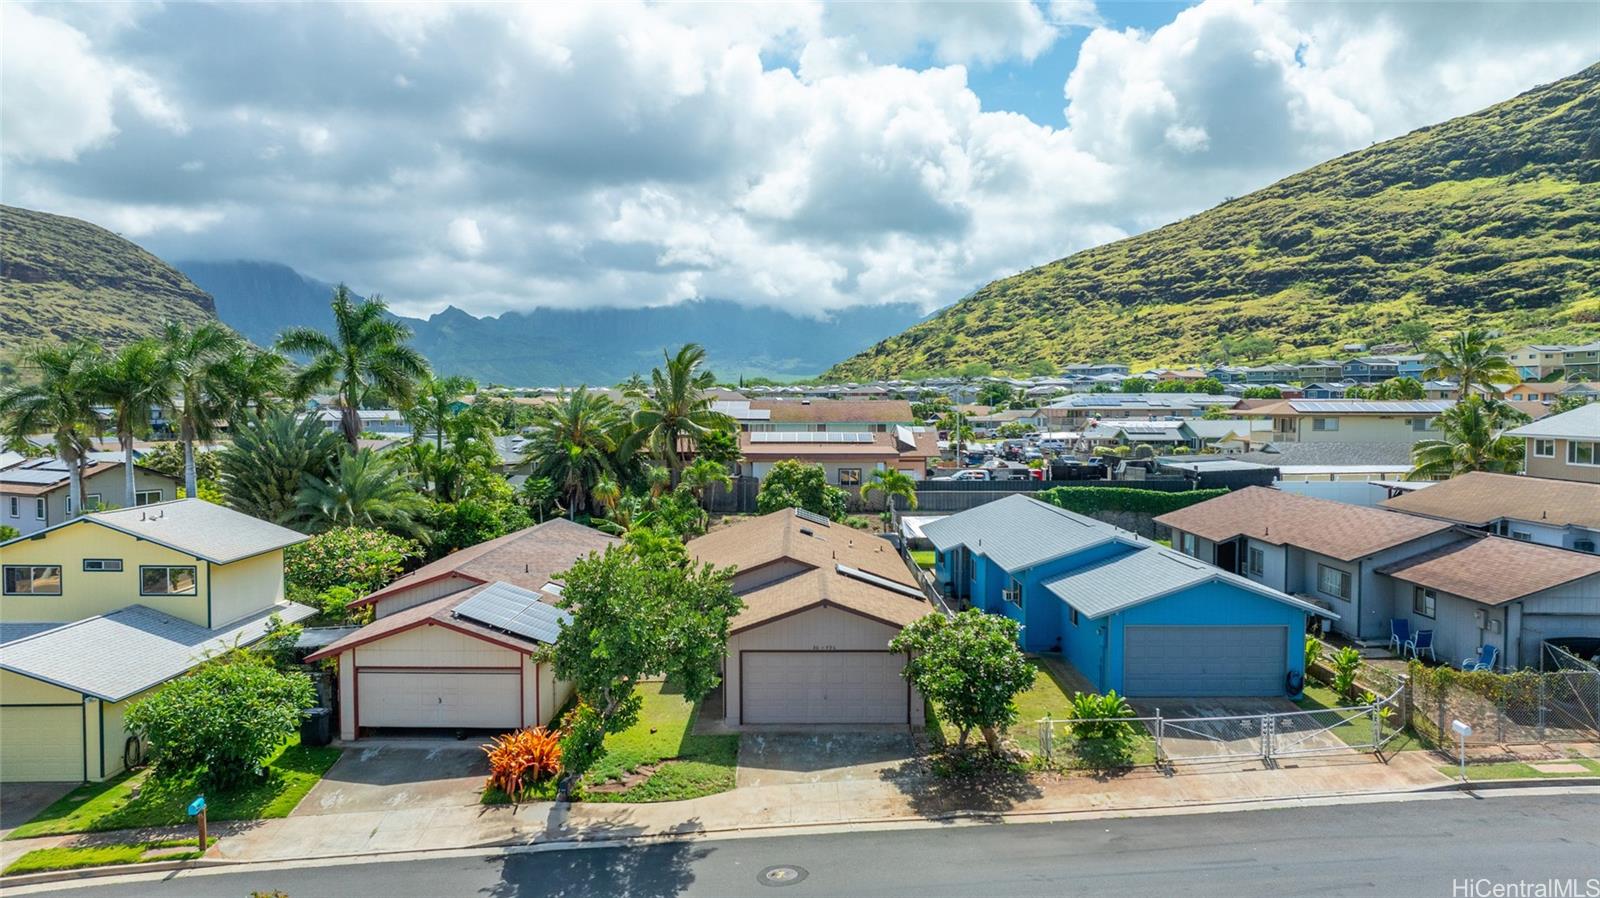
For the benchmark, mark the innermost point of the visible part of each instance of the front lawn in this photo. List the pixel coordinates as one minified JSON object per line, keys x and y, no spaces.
{"x":924,"y":558}
{"x":94,"y":807}
{"x":72,"y":857}
{"x":1355,"y":731}
{"x":1518,"y":770}
{"x":687,"y":765}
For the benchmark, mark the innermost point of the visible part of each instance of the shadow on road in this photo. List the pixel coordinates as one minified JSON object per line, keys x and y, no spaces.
{"x":652,"y":871}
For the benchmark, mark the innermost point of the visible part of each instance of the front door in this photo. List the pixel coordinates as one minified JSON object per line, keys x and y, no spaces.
{"x":1228,"y":556}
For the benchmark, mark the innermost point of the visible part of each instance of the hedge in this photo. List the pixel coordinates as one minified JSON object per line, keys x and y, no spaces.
{"x":1090,"y":499}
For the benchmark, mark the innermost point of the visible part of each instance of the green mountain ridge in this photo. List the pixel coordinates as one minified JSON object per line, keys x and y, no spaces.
{"x":66,"y":279}
{"x":1490,"y":218}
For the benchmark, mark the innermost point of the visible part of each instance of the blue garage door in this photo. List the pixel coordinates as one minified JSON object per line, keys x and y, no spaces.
{"x":1203,"y":661}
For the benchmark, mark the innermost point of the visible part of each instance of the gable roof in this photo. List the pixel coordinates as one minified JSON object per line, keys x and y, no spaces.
{"x":39,"y":476}
{"x":195,"y":527}
{"x":1493,"y":569}
{"x":1581,"y":423}
{"x":1018,"y":532}
{"x":442,"y":612}
{"x":843,"y":411}
{"x":1336,"y":529}
{"x":1150,"y":573}
{"x":121,"y":654}
{"x":1479,"y":498}
{"x":529,"y":558}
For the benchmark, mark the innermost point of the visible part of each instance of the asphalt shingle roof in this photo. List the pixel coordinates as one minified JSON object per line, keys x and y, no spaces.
{"x":1336,"y":529}
{"x":1493,"y":569}
{"x":1478,"y":498}
{"x":1018,"y":532}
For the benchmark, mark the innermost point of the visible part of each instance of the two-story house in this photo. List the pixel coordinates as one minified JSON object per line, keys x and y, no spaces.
{"x":1536,"y":360}
{"x":1369,"y":370}
{"x":1319,"y":370}
{"x":101,"y":610}
{"x":1345,"y":420}
{"x":35,"y":494}
{"x":1564,"y":446}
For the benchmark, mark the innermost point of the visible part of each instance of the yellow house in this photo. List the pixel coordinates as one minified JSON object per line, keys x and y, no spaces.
{"x":100,"y":610}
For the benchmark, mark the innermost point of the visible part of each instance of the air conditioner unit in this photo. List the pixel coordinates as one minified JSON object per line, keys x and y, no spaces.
{"x":1014,"y":596}
{"x":1494,"y":625}
{"x":1480,"y":618}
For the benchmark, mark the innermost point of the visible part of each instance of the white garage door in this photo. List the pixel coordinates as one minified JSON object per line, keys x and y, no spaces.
{"x":1182,"y":661}
{"x":823,"y":687}
{"x":422,"y":698}
{"x":41,"y":744}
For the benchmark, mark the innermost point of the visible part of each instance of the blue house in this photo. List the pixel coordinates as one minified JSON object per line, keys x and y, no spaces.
{"x":1129,"y":614}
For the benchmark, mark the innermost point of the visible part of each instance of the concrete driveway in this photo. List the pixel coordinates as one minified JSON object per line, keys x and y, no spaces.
{"x":1207,"y":728}
{"x":21,"y":802}
{"x":827,"y":755}
{"x":398,"y":774}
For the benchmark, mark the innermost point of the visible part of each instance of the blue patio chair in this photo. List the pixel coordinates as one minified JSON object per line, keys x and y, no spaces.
{"x":1399,"y":634}
{"x":1484,"y":660}
{"x":1421,"y":641}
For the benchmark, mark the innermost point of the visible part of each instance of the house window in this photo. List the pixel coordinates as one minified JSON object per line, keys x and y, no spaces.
{"x":1013,"y":594}
{"x":1522,"y":535}
{"x":1186,"y":544}
{"x":33,"y":579}
{"x":146,"y":497}
{"x":1423,"y":601}
{"x":849,"y":476}
{"x":1333,"y":581}
{"x":16,"y":507}
{"x":166,"y":581}
{"x":90,"y":501}
{"x":39,"y":509}
{"x":1544,"y":448}
{"x":1257,"y":559}
{"x":1326,"y":424}
{"x":1074,"y":617}
{"x":102,"y":565}
{"x":1420,"y":424}
{"x":1583,"y":453}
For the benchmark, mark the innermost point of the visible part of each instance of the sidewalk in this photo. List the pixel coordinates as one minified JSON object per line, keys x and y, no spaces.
{"x":901,"y":793}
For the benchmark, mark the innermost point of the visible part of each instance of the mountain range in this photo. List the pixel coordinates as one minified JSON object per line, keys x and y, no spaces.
{"x":1490,"y":218}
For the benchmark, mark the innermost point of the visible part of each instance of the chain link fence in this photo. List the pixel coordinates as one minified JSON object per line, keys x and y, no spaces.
{"x":1559,"y":703}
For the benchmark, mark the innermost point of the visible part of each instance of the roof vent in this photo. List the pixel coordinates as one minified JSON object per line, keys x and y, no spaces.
{"x":807,"y":531}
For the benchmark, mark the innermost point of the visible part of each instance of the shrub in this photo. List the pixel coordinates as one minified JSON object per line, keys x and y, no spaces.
{"x":970,"y":666}
{"x":1089,"y":499}
{"x":520,"y":760}
{"x":1313,"y":654}
{"x":1346,"y":664}
{"x":8,"y":532}
{"x":1103,"y":739}
{"x":360,"y":558}
{"x":223,"y":721}
{"x":790,"y":484}
{"x":472,"y":521}
{"x":278,"y":646}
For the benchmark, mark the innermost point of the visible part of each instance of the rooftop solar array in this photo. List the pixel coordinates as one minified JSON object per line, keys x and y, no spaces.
{"x":875,"y":580}
{"x":514,"y":610}
{"x":1356,"y":406}
{"x":812,"y":516}
{"x":803,"y":436}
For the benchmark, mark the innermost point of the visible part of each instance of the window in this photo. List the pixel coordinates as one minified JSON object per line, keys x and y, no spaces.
{"x":1186,"y":544}
{"x":1013,"y":594}
{"x":16,"y":507}
{"x":39,"y":509}
{"x":849,"y":476}
{"x":146,"y":497}
{"x":1074,"y":617}
{"x":1257,"y":560}
{"x":1544,"y":448}
{"x":1333,"y":581}
{"x":33,"y":579}
{"x":91,"y":501}
{"x":1423,"y":601}
{"x":166,"y":581}
{"x":102,"y":565}
{"x":1421,"y":424}
{"x":1326,"y":424}
{"x":1583,"y":453}
{"x":1522,"y":535}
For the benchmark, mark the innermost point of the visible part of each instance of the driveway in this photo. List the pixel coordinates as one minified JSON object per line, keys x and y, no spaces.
{"x":828,"y":755}
{"x":1204,"y":728}
{"x":398,"y":774}
{"x":24,"y":801}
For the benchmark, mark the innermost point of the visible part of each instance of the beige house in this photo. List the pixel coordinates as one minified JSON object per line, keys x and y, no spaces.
{"x":455,"y":643}
{"x":34,"y":494}
{"x":849,"y":458}
{"x":102,"y":610}
{"x":822,"y":602}
{"x":1564,"y":446}
{"x":1344,"y":420}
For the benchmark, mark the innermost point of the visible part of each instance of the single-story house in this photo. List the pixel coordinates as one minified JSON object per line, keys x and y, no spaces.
{"x":1128,"y":613}
{"x":102,"y":610}
{"x":455,"y":643}
{"x":822,"y":602}
{"x":1558,"y":513}
{"x":35,"y":493}
{"x":848,"y":457}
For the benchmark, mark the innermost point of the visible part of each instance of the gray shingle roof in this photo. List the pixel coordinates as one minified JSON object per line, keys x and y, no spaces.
{"x":210,"y":532}
{"x":1018,"y":532}
{"x":118,"y":655}
{"x":1147,"y":574}
{"x":1581,"y":423}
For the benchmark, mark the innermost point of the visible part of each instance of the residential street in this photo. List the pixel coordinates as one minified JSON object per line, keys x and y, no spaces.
{"x":1417,"y":848}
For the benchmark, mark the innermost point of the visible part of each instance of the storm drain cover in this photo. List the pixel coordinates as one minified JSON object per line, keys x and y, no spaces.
{"x":786,"y":875}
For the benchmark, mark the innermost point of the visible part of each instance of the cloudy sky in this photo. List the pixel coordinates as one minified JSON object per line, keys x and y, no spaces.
{"x":801,"y":155}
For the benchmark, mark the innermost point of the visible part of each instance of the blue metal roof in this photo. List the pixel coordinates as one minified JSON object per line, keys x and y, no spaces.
{"x":1018,"y":532}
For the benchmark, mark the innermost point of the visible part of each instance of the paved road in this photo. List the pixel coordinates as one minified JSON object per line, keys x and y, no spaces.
{"x":1413,"y":848}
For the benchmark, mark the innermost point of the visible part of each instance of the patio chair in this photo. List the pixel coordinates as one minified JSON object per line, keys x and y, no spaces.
{"x":1484,"y":659}
{"x":1399,"y":634}
{"x":1421,"y":641}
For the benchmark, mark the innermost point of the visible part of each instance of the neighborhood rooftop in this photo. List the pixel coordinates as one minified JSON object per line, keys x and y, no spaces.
{"x":1018,"y":532}
{"x":196,"y":527}
{"x":1493,"y":569}
{"x":1479,"y":498}
{"x":1131,"y":579}
{"x":1336,"y":529}
{"x":1581,"y":423}
{"x":446,"y":612}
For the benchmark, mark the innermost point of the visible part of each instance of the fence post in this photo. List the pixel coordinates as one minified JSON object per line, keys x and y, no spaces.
{"x":1441,"y":733}
{"x":1161,"y":732}
{"x":1047,"y":732}
{"x":1542,"y":693}
{"x":1377,"y":724}
{"x":1266,"y":737}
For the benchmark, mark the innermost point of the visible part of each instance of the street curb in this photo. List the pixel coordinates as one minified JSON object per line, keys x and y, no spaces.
{"x":46,"y":877}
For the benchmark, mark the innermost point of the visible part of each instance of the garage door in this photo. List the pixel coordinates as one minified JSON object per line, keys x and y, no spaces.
{"x":41,"y":744}
{"x":487,"y":699}
{"x":823,"y":687}
{"x":1180,"y":661}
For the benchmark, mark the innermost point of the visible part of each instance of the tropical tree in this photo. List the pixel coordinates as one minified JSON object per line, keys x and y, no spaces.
{"x":131,"y":383}
{"x":196,"y":363}
{"x":577,"y":440}
{"x":1472,"y":439}
{"x":1471,"y":358}
{"x":436,"y":403}
{"x":57,"y":398}
{"x":266,"y":466}
{"x":970,"y":665}
{"x":793,"y":484}
{"x":253,"y":382}
{"x":1414,"y":332}
{"x":362,"y":489}
{"x":698,"y":479}
{"x":892,"y":484}
{"x":677,"y":406}
{"x":606,"y":493}
{"x":366,"y":357}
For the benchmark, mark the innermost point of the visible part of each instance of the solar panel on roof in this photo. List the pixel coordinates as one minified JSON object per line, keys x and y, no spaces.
{"x":812,"y":516}
{"x":875,"y":580}
{"x":514,"y":610}
{"x":803,"y":436}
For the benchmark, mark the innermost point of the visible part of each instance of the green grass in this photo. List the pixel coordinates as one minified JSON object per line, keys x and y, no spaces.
{"x":1358,"y":731}
{"x":925,"y":558}
{"x":95,"y":807}
{"x":72,"y":857}
{"x":1519,"y":770}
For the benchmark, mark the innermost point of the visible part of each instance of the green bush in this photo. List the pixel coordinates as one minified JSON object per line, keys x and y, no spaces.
{"x":223,"y":721}
{"x":358,"y":557}
{"x":1102,"y":738}
{"x":790,"y":484}
{"x":1313,"y":654}
{"x":1090,"y":499}
{"x":1346,"y":665}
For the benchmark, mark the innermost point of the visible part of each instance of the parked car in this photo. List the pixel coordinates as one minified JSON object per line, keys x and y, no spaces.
{"x":968,"y":474}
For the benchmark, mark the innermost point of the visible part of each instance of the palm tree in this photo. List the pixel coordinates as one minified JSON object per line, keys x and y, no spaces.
{"x":254,"y":382}
{"x":1471,"y":358}
{"x":363,"y":489}
{"x":131,"y":383}
{"x":698,"y":478}
{"x":1473,"y":440}
{"x":575,"y":442}
{"x":60,"y":400}
{"x":891,"y":483}
{"x":434,"y":405}
{"x":677,"y":405}
{"x":606,"y":493}
{"x":367,"y":356}
{"x":195,"y":372}
{"x":269,"y":460}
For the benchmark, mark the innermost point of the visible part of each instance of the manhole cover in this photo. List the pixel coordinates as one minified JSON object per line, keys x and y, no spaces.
{"x":786,"y":875}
